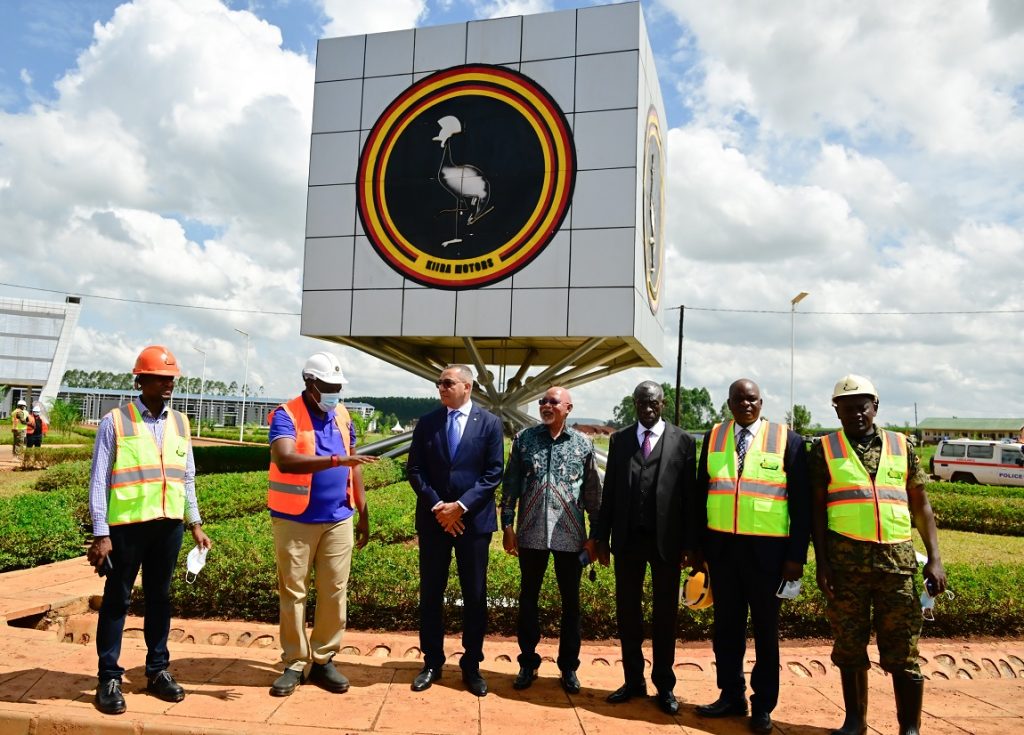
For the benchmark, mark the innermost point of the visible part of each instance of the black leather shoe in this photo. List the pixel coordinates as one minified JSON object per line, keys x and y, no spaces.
{"x":285,"y":684}
{"x":625,"y":693}
{"x":570,"y":682}
{"x":667,"y":702}
{"x":163,"y":686}
{"x":723,"y":707}
{"x":761,"y":722}
{"x":425,"y":678}
{"x":109,"y":699}
{"x":524,"y":678}
{"x":475,"y":683}
{"x":326,"y":676}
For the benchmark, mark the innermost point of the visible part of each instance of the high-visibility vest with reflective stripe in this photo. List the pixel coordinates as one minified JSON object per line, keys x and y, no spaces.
{"x":19,"y":418}
{"x":147,"y":482}
{"x":289,"y":493}
{"x":863,"y":508}
{"x":756,"y":503}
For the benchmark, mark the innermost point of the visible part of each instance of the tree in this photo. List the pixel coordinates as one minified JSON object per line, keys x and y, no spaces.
{"x":360,"y":423}
{"x":799,"y":419}
{"x":698,"y":412}
{"x":64,"y":416}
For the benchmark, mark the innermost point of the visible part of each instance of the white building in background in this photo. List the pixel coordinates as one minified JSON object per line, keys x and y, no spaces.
{"x":94,"y":403}
{"x":35,"y":340}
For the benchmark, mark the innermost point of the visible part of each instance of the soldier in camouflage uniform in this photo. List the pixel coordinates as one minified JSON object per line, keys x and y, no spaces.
{"x":868,"y":487}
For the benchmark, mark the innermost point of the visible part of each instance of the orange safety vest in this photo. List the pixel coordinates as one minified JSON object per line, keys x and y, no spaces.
{"x":289,"y":493}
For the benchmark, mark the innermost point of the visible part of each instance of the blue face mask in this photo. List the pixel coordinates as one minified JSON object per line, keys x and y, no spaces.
{"x":328,"y":401}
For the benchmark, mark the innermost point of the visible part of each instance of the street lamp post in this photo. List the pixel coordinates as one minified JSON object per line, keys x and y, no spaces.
{"x":245,"y":380}
{"x":202,"y":384}
{"x":792,"y":349}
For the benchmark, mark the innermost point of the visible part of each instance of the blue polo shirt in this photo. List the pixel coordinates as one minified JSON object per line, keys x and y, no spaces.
{"x":329,"y":489}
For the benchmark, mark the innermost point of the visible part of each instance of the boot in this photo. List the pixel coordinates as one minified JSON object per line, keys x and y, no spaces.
{"x":909,"y":691}
{"x":855,"y":698}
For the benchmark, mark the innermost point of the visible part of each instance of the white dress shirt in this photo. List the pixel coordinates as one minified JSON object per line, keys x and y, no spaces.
{"x":656,"y":431}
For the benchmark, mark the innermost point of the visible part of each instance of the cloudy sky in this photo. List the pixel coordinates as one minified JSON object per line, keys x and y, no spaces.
{"x":869,"y":153}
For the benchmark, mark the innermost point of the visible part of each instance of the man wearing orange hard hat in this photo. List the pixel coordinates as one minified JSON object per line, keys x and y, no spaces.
{"x":141,"y":490}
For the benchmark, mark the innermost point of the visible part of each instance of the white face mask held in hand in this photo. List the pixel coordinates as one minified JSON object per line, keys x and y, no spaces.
{"x":195,"y":563}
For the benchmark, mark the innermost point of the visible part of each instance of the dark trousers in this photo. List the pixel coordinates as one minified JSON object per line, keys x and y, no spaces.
{"x":533,"y":563}
{"x":34,"y":440}
{"x":471,"y":561}
{"x":153,"y":546}
{"x":630,"y":569}
{"x":745,"y":575}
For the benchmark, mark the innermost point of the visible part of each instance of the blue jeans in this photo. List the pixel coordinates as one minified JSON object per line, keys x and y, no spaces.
{"x":153,"y":546}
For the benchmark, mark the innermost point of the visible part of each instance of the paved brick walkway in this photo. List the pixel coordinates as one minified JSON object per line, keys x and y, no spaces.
{"x":47,"y":675}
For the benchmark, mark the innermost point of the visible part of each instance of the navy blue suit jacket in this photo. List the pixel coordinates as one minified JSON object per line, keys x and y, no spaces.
{"x":471,"y":478}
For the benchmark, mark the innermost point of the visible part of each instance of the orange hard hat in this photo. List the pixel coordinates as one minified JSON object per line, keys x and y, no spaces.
{"x":156,"y":360}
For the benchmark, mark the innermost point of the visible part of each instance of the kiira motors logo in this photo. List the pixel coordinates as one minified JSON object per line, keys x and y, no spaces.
{"x":466,"y":177}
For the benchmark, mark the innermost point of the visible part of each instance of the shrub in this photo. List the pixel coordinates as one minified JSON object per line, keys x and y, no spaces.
{"x":981,"y":514}
{"x":39,"y":458}
{"x":385,"y":471}
{"x":392,"y":513}
{"x":962,"y":488}
{"x":218,"y":459}
{"x":64,"y":475}
{"x":37,"y":528}
{"x":227,"y":496}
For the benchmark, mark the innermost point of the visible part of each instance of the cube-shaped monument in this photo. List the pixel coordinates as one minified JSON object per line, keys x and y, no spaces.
{"x":497,"y":181}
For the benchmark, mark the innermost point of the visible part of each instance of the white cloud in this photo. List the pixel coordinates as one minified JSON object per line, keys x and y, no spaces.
{"x":506,"y":8}
{"x":350,"y":18}
{"x":942,"y":73}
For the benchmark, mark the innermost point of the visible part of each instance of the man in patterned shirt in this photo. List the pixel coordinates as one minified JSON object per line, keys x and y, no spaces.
{"x":552,"y":476}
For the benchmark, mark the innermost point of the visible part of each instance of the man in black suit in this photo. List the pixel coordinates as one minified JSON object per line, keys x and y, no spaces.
{"x":755,"y":509}
{"x":650,"y":473}
{"x":455,"y":463}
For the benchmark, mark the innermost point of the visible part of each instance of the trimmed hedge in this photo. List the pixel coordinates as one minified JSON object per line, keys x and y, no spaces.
{"x":228,"y":458}
{"x":963,"y":488}
{"x":240,"y":581}
{"x":980,"y":514}
{"x":64,"y":475}
{"x":39,"y":458}
{"x":37,"y":528}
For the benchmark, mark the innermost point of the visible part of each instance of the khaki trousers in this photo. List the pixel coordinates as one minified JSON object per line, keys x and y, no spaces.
{"x":302,"y":548}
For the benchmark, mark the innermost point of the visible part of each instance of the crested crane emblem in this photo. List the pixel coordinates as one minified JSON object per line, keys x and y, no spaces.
{"x":466,"y":177}
{"x":465,"y":182}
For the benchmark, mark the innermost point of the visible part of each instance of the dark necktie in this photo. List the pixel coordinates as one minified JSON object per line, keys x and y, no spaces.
{"x":646,"y":447}
{"x":741,"y":450}
{"x":453,"y":433}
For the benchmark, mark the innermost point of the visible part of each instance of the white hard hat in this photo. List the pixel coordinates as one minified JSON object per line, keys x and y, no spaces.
{"x":325,"y":366}
{"x":853,"y":385}
{"x":22,"y":403}
{"x":36,"y":409}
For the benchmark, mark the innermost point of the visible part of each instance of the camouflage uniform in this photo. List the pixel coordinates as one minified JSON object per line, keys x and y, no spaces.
{"x":866,"y":575}
{"x":19,"y":419}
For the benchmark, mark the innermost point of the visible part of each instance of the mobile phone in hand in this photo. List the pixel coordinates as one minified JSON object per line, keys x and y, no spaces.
{"x":105,"y":567}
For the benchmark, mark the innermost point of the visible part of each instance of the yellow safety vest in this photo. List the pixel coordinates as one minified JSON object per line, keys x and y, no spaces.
{"x":19,"y":419}
{"x":863,"y":508}
{"x":289,"y":492}
{"x":756,"y":503}
{"x":147,"y":482}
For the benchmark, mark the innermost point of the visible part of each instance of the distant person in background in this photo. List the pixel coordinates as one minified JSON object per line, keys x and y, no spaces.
{"x":315,"y":488}
{"x":552,"y":478}
{"x":35,"y":429}
{"x":19,"y":421}
{"x":142,"y":487}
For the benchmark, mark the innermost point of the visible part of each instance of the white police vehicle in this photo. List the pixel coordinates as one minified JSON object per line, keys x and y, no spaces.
{"x":975,"y":461}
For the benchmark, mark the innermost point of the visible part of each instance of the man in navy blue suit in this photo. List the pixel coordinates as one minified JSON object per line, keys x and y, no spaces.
{"x":455,"y":463}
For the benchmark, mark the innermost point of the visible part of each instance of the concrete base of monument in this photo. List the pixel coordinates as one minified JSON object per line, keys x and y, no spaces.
{"x":48,"y":669}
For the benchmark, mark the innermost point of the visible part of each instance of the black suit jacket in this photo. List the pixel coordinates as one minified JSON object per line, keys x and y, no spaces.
{"x":471,"y":478}
{"x":676,"y":478}
{"x":774,"y":551}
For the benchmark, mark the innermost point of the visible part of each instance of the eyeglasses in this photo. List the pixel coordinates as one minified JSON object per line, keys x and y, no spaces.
{"x":447,"y":383}
{"x":548,"y":401}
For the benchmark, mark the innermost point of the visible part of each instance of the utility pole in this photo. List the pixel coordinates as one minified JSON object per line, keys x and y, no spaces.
{"x":679,"y":366}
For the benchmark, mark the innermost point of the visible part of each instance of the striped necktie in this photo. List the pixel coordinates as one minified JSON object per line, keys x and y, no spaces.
{"x":741,"y":450}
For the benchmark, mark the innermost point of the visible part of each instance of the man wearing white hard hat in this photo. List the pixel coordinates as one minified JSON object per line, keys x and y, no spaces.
{"x":19,"y":420}
{"x":36,"y":427}
{"x":868,"y":490}
{"x":315,"y":489}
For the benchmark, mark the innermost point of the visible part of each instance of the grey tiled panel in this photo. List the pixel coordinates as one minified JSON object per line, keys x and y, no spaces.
{"x":428,"y":312}
{"x":326,"y":313}
{"x":601,"y":312}
{"x":548,"y":36}
{"x":603,"y":257}
{"x":540,"y":312}
{"x":484,"y":313}
{"x":389,"y":53}
{"x":339,"y":58}
{"x":336,"y":106}
{"x":327,"y":264}
{"x":494,"y":41}
{"x":377,"y":313}
{"x":330,"y":210}
{"x":608,"y":28}
{"x":606,"y":81}
{"x":440,"y":47}
{"x":333,"y":158}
